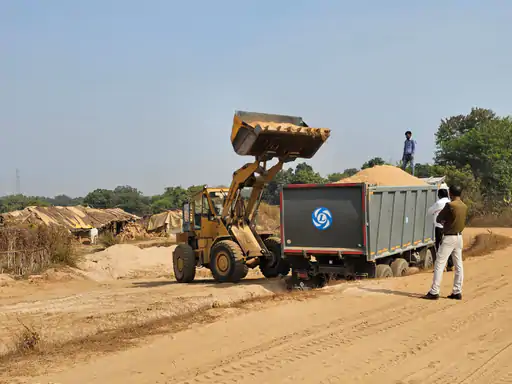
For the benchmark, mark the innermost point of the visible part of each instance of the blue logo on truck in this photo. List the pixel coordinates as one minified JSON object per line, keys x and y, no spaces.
{"x":322,"y":218}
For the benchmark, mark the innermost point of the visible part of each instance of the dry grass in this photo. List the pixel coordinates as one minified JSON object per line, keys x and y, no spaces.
{"x":25,"y":340}
{"x":485,"y":243}
{"x":29,"y":250}
{"x":504,"y":219}
{"x":107,"y":239}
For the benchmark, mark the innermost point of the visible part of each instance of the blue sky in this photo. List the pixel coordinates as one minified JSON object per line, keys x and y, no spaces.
{"x":95,"y":94}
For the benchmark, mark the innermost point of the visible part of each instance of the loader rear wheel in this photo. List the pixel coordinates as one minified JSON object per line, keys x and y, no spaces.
{"x":383,"y":271}
{"x":275,"y":266}
{"x":399,"y":267}
{"x":227,"y":263}
{"x":184,"y":263}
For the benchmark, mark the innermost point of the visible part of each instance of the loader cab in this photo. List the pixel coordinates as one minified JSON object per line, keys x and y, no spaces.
{"x":204,"y":205}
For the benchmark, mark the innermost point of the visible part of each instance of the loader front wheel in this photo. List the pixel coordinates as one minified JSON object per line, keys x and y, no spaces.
{"x":275,"y":266}
{"x":184,"y":263}
{"x":227,"y":263}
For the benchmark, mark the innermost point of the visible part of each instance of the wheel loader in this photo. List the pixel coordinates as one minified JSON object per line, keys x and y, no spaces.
{"x":219,"y":224}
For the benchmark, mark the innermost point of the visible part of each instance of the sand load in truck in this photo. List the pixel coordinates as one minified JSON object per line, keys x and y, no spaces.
{"x":219,"y":230}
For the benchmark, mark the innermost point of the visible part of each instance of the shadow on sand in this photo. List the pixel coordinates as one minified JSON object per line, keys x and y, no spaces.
{"x":267,"y":283}
{"x":391,"y":292}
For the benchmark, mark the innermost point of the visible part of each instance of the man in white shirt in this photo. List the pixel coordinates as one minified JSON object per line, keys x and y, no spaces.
{"x":434,"y":210}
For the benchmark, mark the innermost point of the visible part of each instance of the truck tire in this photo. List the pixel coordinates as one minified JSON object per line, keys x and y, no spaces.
{"x":184,"y":263}
{"x":399,"y":267}
{"x":383,"y":271}
{"x":428,"y":260}
{"x":227,"y":262}
{"x":276,"y":265}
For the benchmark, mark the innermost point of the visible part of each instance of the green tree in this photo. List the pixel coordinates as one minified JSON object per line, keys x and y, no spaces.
{"x":18,"y":202}
{"x":162,"y":204}
{"x":100,"y":198}
{"x":480,"y":140}
{"x":131,"y":200}
{"x":454,"y":128}
{"x":350,"y":171}
{"x":64,"y":201}
{"x":271,"y":192}
{"x":373,"y":162}
{"x":337,"y":176}
{"x":424,"y":170}
{"x":304,"y":174}
{"x":463,"y":177}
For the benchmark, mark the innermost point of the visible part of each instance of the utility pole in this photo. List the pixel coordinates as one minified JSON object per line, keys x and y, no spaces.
{"x":18,"y":182}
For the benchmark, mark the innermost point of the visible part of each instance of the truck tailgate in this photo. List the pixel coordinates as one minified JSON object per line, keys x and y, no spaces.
{"x":328,"y":218}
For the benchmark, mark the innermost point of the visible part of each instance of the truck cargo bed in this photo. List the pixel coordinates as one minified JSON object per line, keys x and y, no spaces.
{"x":356,"y":219}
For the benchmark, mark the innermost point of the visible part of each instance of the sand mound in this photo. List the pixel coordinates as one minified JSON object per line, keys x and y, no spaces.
{"x":127,"y":261}
{"x":384,"y":175}
{"x":5,"y":280}
{"x":485,"y":243}
{"x":62,"y":274}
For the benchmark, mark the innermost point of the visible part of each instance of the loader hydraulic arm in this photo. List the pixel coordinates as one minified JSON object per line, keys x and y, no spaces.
{"x":255,"y":175}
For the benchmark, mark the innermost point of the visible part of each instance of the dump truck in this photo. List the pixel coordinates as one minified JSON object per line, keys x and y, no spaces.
{"x":219,"y":224}
{"x":355,"y":230}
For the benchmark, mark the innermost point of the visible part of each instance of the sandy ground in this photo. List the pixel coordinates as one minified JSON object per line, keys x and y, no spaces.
{"x":367,"y":331}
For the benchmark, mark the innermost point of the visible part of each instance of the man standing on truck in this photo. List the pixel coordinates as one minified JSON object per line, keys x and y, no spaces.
{"x":453,"y":217}
{"x":434,"y":210}
{"x":409,"y":151}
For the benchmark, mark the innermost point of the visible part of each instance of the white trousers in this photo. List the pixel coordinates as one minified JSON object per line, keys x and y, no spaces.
{"x":450,"y":245}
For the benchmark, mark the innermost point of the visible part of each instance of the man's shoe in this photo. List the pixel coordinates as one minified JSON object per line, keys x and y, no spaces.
{"x":430,"y":296}
{"x":455,"y":296}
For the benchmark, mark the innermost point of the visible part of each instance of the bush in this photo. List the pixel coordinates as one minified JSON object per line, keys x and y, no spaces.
{"x":108,"y":239}
{"x":25,"y":251}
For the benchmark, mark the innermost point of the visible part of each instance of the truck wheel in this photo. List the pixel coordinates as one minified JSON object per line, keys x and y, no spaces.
{"x":399,"y":267}
{"x":275,"y":266}
{"x":184,"y":263}
{"x":227,"y":263}
{"x":428,"y":260}
{"x":383,"y":271}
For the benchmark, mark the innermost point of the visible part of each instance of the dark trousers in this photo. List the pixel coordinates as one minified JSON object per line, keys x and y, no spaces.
{"x":439,"y":238}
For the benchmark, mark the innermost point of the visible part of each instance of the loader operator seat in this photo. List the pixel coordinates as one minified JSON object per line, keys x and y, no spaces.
{"x":218,"y":203}
{"x":197,"y":213}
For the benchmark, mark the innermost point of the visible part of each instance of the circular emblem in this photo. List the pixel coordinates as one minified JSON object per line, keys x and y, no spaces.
{"x":322,"y":218}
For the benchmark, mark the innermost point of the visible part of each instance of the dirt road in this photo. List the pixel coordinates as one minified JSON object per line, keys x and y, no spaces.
{"x":367,"y":332}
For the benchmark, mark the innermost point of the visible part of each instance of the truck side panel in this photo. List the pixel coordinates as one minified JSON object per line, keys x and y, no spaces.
{"x":344,"y":232}
{"x":398,"y":219}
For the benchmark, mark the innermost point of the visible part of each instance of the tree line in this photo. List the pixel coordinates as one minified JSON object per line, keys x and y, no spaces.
{"x":472,"y":150}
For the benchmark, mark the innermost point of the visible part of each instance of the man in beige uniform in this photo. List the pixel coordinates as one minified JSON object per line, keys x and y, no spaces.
{"x":453,"y":217}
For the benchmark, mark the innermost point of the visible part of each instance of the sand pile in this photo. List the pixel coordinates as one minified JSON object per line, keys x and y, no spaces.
{"x":127,"y":261}
{"x":384,"y":175}
{"x":5,"y":280}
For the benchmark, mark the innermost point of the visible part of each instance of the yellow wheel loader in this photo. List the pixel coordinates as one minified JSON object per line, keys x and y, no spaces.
{"x":219,"y":225}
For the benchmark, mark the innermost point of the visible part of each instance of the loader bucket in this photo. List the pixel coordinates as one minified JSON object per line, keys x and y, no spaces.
{"x":265,"y":135}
